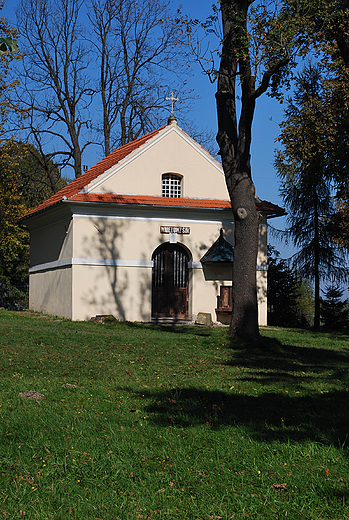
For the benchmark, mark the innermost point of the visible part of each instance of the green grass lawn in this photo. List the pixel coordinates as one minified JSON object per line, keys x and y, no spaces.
{"x":171,"y":422}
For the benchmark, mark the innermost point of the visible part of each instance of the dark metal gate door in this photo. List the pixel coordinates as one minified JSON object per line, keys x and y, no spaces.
{"x":170,"y":282}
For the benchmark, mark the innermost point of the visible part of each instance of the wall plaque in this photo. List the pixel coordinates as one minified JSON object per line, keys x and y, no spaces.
{"x":175,"y":229}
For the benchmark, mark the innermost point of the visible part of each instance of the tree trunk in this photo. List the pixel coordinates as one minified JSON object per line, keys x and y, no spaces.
{"x":316,"y":263}
{"x":234,"y":142}
{"x":244,"y":321}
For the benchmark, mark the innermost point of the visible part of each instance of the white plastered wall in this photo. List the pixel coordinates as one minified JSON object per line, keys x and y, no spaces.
{"x":136,"y":239}
{"x":262,"y":275}
{"x":125,"y":290}
{"x":50,"y":240}
{"x":50,"y":290}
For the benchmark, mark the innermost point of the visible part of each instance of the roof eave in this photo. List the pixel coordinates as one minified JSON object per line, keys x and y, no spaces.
{"x":150,"y":205}
{"x":275,"y":214}
{"x":39,"y":211}
{"x":269,"y":214}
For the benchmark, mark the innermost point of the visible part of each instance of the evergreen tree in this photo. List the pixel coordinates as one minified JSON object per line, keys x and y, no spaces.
{"x":286,"y":294}
{"x":337,"y":94}
{"x":304,"y":167}
{"x":325,"y":25}
{"x":334,"y":311}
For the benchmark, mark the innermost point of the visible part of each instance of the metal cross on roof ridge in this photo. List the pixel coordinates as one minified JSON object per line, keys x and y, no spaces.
{"x":172,"y":99}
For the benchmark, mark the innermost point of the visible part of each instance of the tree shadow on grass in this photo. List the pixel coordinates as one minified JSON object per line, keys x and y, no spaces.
{"x":280,"y":412}
{"x":267,"y":417}
{"x":271,"y":362}
{"x":195,"y":330}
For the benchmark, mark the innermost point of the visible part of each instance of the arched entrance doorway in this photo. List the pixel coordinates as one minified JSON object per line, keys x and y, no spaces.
{"x":170,"y":281}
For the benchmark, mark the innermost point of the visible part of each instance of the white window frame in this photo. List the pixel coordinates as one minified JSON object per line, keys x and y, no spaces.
{"x":171,"y":185}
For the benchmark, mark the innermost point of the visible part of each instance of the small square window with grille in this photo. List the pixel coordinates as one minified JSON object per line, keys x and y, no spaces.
{"x":171,"y":185}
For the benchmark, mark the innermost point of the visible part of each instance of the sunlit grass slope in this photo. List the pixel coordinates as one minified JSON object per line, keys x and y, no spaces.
{"x":173,"y":423}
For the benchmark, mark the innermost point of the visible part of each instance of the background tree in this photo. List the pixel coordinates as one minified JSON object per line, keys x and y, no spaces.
{"x":305,"y":169}
{"x":13,"y":239}
{"x":339,"y":223}
{"x":8,"y":52}
{"x":24,"y":184}
{"x":55,"y":85}
{"x":323,"y":22}
{"x":336,"y":83}
{"x":38,"y":177}
{"x":305,"y":299}
{"x":97,"y":66}
{"x":10,"y":204}
{"x":289,"y":301}
{"x":334,"y":311}
{"x":325,"y":28}
{"x":136,"y":43}
{"x":8,"y":42}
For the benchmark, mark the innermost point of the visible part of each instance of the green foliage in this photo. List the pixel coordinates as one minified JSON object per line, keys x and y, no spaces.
{"x":305,"y":298}
{"x":24,"y":183}
{"x":13,"y":298}
{"x":306,"y":171}
{"x":140,"y":421}
{"x":339,"y":222}
{"x":8,"y":45}
{"x":8,"y":53}
{"x":325,"y":30}
{"x":323,"y":22}
{"x":14,"y":240}
{"x":273,"y":39}
{"x":334,"y":311}
{"x":287,"y":299}
{"x":337,"y":93}
{"x":309,"y":208}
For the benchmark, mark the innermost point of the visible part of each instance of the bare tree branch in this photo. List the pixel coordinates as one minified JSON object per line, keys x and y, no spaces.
{"x":135,"y":44}
{"x":55,"y":74}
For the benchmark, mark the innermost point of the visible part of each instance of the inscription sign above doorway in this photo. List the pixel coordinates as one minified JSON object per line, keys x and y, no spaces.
{"x":175,"y":229}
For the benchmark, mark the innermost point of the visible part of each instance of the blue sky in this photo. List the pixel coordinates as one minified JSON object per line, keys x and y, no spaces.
{"x":268,"y":115}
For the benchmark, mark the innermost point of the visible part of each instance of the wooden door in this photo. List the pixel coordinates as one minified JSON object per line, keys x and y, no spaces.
{"x":170,"y":282}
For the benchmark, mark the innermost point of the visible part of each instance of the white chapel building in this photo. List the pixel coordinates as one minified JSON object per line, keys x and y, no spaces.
{"x":145,"y":234}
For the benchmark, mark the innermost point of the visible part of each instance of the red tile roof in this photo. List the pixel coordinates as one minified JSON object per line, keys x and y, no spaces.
{"x":146,"y":200}
{"x":111,"y":160}
{"x":268,"y":207}
{"x":110,"y":198}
